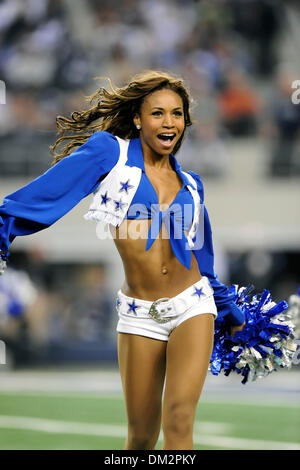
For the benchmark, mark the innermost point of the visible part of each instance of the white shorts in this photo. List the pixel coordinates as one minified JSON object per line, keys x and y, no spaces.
{"x":158,"y":319}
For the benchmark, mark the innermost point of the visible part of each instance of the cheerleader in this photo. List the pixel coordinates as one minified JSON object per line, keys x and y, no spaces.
{"x":122,"y":150}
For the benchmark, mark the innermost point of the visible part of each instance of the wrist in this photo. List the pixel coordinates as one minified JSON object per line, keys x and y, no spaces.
{"x":236,"y":316}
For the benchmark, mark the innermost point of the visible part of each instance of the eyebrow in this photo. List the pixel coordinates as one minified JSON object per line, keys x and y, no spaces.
{"x":157,"y":107}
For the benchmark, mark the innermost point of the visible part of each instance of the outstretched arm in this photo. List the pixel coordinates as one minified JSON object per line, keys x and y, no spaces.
{"x":46,"y":199}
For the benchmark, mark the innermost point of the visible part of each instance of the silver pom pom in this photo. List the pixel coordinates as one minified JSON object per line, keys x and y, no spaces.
{"x":267,"y":341}
{"x":294,"y":312}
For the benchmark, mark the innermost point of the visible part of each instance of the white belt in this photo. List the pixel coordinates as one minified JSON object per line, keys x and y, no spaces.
{"x":165,"y":308}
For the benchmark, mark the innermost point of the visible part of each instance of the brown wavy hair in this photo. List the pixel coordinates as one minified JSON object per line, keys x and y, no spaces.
{"x":113,"y":111}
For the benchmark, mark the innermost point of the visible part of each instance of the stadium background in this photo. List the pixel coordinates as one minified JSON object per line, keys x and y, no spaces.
{"x":239,"y":59}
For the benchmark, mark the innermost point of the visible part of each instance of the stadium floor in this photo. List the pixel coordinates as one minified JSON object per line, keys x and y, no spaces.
{"x":82,"y":408}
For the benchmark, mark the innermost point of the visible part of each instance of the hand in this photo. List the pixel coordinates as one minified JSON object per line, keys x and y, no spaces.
{"x":233,"y":329}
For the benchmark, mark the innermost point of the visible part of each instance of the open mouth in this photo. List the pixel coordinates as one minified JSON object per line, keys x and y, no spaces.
{"x":166,"y":138}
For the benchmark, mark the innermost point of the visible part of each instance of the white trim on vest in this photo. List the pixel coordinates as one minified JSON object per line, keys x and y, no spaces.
{"x":197,"y":208}
{"x":111,"y":202}
{"x":113,"y":196}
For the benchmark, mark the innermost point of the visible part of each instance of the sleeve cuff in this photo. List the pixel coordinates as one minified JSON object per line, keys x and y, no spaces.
{"x":234,"y":314}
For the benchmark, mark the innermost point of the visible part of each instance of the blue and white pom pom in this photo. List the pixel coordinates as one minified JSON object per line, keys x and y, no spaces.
{"x":265,"y":343}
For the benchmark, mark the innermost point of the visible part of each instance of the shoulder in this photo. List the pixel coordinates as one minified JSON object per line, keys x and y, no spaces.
{"x":198,"y":180}
{"x":104,"y":140}
{"x":100,"y":151}
{"x":104,"y":147}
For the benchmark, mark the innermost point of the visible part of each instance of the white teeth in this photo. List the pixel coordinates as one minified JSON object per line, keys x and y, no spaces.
{"x":168,"y":135}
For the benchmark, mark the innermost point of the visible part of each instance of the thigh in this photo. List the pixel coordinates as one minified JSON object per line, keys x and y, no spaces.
{"x":188,"y":354}
{"x":142,"y":367}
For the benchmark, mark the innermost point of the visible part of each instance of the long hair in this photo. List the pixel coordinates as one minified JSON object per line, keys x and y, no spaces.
{"x":113,"y":111}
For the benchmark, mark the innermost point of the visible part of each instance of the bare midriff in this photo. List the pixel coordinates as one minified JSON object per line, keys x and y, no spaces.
{"x":154,"y":273}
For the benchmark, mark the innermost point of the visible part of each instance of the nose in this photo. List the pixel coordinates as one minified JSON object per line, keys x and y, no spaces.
{"x":168,"y":121}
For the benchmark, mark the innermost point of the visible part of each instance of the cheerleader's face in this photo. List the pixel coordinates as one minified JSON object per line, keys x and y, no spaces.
{"x":162,"y":122}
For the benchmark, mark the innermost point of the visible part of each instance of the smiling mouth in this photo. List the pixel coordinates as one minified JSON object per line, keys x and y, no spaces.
{"x":166,"y":138}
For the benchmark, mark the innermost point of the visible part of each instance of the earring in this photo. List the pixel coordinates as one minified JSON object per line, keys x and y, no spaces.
{"x":138,"y":126}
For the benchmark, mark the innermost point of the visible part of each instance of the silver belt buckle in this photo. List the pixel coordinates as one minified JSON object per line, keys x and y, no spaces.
{"x":155,"y":314}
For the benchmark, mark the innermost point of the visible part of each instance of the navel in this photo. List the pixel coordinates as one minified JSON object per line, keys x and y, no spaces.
{"x":164,"y":270}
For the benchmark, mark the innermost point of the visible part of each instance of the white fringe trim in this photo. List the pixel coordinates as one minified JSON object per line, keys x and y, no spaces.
{"x":103,"y":217}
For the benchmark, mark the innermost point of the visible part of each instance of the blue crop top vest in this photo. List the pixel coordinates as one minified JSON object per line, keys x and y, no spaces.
{"x":49,"y":197}
{"x":145,"y":205}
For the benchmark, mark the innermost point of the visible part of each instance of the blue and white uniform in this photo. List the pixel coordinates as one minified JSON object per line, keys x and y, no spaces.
{"x":119,"y":186}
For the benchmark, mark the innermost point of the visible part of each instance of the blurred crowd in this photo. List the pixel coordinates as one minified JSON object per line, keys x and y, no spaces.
{"x":48,"y":311}
{"x":227,"y":51}
{"x":239,"y":66}
{"x":53,"y":312}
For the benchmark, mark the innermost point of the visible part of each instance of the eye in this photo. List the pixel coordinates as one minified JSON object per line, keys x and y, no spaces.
{"x":178,"y":113}
{"x":156,"y":113}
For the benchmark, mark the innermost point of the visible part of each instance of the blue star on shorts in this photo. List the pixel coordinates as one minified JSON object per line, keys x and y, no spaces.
{"x":132,"y":307}
{"x":198,"y":292}
{"x":118,"y":302}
